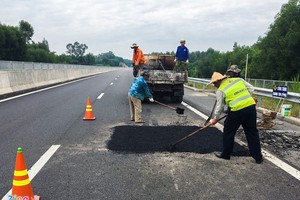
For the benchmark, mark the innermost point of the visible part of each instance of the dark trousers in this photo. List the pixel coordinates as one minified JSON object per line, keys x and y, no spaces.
{"x":247,"y":118}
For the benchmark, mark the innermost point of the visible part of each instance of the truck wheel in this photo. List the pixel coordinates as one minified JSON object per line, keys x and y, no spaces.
{"x":176,"y":99}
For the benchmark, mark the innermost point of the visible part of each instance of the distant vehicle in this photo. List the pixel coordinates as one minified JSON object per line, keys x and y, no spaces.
{"x":164,"y":81}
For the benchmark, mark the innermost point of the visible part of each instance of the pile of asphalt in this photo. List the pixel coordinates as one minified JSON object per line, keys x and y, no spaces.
{"x":150,"y":139}
{"x":278,"y":141}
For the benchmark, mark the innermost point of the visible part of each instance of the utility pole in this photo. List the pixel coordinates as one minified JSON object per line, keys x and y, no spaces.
{"x":246,"y":67}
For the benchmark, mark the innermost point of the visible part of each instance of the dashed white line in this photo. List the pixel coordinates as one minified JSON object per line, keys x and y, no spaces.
{"x":111,"y":83}
{"x":276,"y":161}
{"x":38,"y":165}
{"x":100,"y":96}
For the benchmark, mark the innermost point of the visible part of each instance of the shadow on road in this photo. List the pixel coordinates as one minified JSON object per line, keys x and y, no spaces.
{"x":146,"y":139}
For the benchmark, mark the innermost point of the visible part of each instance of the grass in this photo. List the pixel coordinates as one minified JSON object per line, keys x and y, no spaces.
{"x":272,"y":103}
{"x":295,"y":85}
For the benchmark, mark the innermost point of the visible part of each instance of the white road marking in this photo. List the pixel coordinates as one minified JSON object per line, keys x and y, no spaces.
{"x":111,"y":83}
{"x":173,"y":177}
{"x":100,"y":96}
{"x":37,"y":166}
{"x":276,"y":161}
{"x":103,"y":149}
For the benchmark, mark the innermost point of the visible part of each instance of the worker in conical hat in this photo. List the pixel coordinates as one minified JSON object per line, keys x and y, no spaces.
{"x":236,"y":94}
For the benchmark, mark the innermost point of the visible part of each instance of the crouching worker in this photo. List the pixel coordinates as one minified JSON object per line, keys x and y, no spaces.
{"x":137,"y":92}
{"x":242,"y":111}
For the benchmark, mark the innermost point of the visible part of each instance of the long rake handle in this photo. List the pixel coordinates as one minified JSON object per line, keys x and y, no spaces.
{"x":208,"y":119}
{"x":196,"y":131}
{"x":164,"y":105}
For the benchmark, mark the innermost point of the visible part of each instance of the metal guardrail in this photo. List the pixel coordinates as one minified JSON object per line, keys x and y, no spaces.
{"x":265,"y":83}
{"x":291,"y":97}
{"x":19,"y":65}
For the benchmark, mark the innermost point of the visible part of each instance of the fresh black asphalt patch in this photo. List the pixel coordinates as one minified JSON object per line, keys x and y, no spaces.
{"x":150,"y":139}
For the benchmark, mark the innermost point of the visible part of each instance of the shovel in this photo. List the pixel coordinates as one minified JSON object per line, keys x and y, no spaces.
{"x":209,"y":118}
{"x":172,"y":147}
{"x":178,"y":110}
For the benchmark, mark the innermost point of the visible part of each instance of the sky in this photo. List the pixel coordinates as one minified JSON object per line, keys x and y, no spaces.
{"x":155,"y":25}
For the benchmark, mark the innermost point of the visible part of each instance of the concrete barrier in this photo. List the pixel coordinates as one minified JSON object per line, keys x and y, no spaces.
{"x":19,"y":80}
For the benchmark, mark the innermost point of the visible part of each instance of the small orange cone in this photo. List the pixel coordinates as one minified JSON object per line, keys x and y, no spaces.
{"x":88,"y":111}
{"x":21,"y":184}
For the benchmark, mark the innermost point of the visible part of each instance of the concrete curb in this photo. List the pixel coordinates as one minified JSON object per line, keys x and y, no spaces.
{"x":22,"y":80}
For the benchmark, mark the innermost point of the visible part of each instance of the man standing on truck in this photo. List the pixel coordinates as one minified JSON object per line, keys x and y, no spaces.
{"x":137,"y":92}
{"x":138,"y":59}
{"x":181,"y":57}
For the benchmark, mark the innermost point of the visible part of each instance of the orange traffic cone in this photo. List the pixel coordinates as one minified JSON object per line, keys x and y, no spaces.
{"x":88,"y":111}
{"x":21,"y":184}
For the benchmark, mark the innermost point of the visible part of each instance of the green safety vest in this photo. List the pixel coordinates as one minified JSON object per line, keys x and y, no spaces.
{"x":236,"y":93}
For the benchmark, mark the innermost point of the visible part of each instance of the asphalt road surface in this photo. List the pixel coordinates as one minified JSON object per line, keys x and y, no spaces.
{"x":113,"y":158}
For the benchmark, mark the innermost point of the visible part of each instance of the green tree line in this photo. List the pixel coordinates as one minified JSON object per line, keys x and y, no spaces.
{"x":16,"y":44}
{"x":276,"y":55}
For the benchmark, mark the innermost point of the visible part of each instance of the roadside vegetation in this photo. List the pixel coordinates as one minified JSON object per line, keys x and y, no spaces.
{"x":276,"y":55}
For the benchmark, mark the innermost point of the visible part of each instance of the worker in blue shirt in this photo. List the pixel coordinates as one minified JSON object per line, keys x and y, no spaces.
{"x":182,"y":57}
{"x":137,"y":92}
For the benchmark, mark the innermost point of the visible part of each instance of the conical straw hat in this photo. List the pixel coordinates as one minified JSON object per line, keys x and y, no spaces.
{"x":216,"y":77}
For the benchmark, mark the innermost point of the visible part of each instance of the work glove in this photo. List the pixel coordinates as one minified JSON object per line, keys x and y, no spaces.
{"x":151,"y":100}
{"x":187,"y":61}
{"x":175,"y":60}
{"x":213,"y":121}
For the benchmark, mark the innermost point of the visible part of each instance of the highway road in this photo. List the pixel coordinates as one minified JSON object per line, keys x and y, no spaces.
{"x":113,"y":158}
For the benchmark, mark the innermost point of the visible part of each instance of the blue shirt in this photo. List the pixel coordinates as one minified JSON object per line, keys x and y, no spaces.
{"x":139,"y":89}
{"x":182,"y":53}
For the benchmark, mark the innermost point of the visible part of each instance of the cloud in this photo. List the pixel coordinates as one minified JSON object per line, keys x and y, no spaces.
{"x":157,"y":26}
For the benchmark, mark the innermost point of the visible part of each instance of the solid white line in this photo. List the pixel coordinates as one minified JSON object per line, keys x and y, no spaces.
{"x":48,"y":88}
{"x":276,"y":161}
{"x":37,"y":166}
{"x":100,"y":96}
{"x":36,"y":91}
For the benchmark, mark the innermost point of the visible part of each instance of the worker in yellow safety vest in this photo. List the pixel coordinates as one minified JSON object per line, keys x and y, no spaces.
{"x":236,"y":94}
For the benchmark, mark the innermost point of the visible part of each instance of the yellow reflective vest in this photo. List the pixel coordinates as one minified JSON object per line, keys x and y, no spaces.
{"x":236,"y":93}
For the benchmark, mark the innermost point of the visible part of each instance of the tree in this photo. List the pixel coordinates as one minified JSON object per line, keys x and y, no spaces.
{"x":26,"y":30}
{"x":76,"y":49}
{"x":279,"y":55}
{"x":39,"y":52}
{"x":12,"y":45}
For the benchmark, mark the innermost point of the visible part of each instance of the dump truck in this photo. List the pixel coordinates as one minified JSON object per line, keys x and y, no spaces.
{"x":164,"y":81}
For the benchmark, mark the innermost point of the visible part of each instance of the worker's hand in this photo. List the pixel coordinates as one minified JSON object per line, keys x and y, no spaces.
{"x":151,"y":100}
{"x":213,"y":121}
{"x":175,"y":60}
{"x":187,"y":61}
{"x":255,"y":99}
